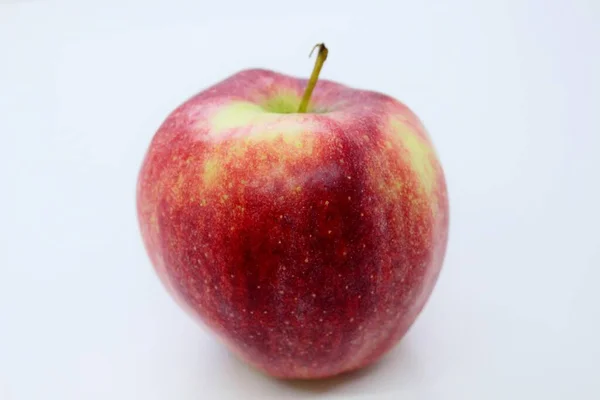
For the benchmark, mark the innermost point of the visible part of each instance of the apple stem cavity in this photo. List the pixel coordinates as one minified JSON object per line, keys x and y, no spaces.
{"x":312,"y":82}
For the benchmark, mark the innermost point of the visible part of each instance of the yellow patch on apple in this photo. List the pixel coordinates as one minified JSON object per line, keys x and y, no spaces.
{"x":421,"y":154}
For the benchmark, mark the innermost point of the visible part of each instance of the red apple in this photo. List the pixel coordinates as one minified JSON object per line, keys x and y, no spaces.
{"x":307,"y":241}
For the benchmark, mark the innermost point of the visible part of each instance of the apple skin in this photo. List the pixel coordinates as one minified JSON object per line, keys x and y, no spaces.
{"x":308,"y":243}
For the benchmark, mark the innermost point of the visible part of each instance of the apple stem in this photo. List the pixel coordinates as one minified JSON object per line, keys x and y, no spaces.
{"x":312,"y":82}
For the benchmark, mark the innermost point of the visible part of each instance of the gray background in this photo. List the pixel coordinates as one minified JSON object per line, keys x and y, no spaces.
{"x":509,"y":90}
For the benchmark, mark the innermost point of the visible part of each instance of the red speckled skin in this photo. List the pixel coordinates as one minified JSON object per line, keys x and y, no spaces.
{"x":308,"y":256}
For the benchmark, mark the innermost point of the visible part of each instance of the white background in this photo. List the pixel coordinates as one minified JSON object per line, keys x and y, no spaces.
{"x":509,"y":90}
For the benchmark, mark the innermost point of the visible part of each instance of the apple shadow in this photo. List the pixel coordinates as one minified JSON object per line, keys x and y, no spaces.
{"x":394,"y":370}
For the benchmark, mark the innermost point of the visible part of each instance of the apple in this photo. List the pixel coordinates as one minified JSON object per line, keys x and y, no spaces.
{"x":304,"y":222}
